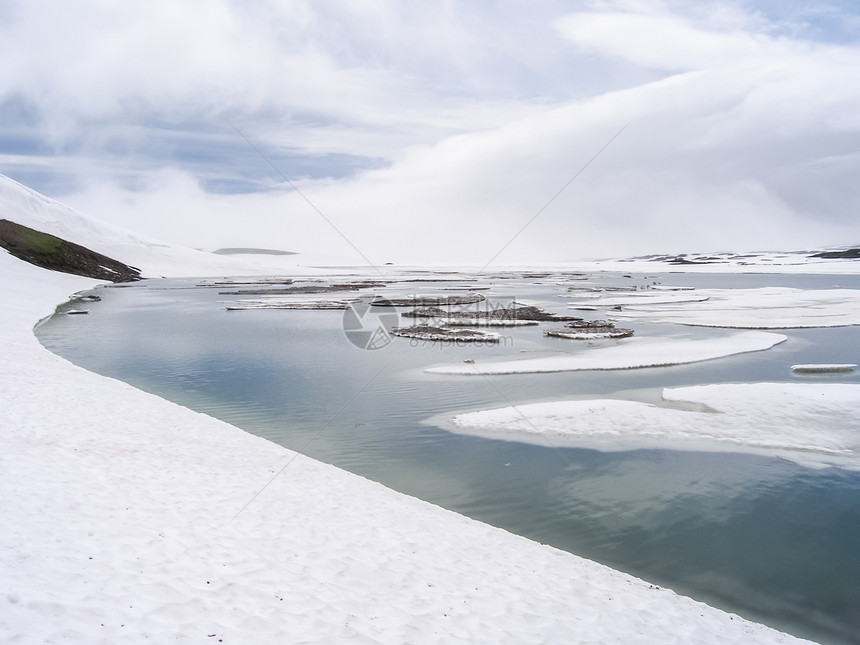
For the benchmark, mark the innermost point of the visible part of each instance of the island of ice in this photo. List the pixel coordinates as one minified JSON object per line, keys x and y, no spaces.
{"x":809,"y":423}
{"x":763,"y":308}
{"x":627,"y":353}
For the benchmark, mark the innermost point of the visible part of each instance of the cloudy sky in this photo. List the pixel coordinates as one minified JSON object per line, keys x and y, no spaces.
{"x":436,"y":131}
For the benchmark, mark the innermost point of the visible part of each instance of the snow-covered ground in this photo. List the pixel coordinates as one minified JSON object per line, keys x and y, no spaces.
{"x":813,"y":424}
{"x":627,"y":353}
{"x":765,"y":262}
{"x":130,"y":519}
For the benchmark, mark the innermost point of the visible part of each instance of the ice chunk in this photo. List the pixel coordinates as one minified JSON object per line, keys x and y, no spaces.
{"x":813,"y":424}
{"x":628,"y":353}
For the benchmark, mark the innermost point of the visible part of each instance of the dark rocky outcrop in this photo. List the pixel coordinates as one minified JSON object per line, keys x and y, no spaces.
{"x":432,"y":333}
{"x":54,"y":253}
{"x":524,"y":312}
{"x":847,"y":254}
{"x":589,"y":329}
{"x":429,"y":301}
{"x":311,"y":289}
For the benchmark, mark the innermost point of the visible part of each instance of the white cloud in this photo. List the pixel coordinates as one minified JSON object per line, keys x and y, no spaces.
{"x":459,"y":124}
{"x":661,"y":41}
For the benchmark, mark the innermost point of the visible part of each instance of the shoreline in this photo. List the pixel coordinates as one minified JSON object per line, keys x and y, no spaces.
{"x":120,"y":505}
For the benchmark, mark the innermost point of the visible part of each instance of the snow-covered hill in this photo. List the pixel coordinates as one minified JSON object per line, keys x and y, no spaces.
{"x":25,"y":206}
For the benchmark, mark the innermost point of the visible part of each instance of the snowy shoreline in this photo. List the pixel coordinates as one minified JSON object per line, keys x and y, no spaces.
{"x":119,"y":506}
{"x":130,"y":518}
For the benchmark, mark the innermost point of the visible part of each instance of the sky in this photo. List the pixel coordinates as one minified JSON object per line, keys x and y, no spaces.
{"x":445,"y":132}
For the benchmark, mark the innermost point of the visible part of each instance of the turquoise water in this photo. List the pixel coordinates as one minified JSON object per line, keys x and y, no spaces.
{"x":763,"y":537}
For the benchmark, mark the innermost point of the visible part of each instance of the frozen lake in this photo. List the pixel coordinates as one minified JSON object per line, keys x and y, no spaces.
{"x":767,"y":538}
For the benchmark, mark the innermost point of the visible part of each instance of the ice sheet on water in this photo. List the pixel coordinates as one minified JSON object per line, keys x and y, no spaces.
{"x":627,"y":353}
{"x":813,"y":424}
{"x":763,"y":308}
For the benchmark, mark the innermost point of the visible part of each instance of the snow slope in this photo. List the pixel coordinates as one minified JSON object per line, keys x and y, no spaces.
{"x":24,"y":206}
{"x":127,"y":518}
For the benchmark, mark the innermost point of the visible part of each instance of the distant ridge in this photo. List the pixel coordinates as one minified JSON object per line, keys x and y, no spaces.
{"x":251,"y":251}
{"x":850,"y":254}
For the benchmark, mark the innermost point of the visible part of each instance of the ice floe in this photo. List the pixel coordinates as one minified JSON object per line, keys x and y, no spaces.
{"x":813,"y":424}
{"x":276,"y":303}
{"x":763,"y":308}
{"x":637,"y":298}
{"x":823,"y":368}
{"x":628,"y":353}
{"x":432,"y":333}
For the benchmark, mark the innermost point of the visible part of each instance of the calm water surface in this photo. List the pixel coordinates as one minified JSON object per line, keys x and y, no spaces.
{"x":766,"y":538}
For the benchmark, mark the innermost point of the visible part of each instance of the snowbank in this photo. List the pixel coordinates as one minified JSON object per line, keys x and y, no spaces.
{"x":628,"y":353}
{"x":120,"y":526}
{"x":812,"y":424}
